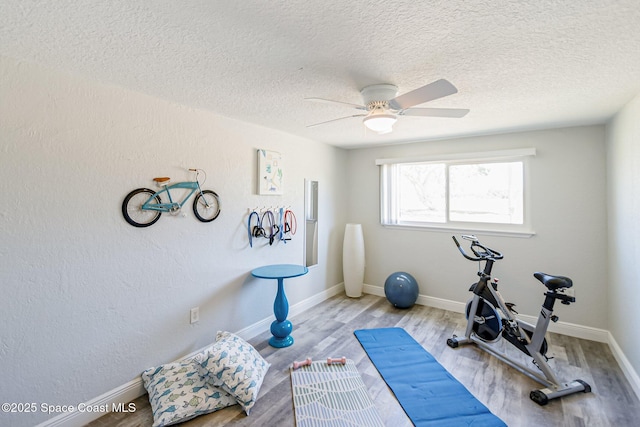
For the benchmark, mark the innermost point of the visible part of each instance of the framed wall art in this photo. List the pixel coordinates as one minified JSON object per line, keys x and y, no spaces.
{"x":270,"y":172}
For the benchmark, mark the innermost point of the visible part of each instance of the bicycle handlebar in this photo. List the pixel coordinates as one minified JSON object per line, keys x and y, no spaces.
{"x":484,"y":253}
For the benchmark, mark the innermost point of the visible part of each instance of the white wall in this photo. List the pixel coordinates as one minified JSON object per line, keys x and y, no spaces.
{"x":90,"y":301}
{"x":568,"y":216}
{"x":623,"y":185}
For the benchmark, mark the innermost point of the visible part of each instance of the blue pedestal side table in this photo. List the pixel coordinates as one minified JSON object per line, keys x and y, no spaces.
{"x":280,"y":328}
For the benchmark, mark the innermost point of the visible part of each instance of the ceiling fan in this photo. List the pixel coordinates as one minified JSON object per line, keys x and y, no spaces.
{"x":382,"y":106}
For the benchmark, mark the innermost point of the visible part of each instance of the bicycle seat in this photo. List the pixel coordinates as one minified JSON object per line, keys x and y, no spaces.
{"x":553,"y":282}
{"x":164,"y":180}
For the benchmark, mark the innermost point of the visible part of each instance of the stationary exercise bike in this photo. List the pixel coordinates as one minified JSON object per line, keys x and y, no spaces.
{"x":493,"y":319}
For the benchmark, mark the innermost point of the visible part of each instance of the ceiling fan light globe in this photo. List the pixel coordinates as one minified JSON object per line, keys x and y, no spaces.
{"x":380,"y":123}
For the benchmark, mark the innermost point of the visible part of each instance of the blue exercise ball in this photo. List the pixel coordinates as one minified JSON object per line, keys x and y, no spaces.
{"x":401,"y":289}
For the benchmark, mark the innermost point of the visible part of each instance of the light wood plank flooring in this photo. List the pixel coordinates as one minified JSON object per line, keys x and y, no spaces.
{"x":327,"y":330}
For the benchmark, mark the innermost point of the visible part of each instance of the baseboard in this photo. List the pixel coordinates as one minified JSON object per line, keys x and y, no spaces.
{"x":625,"y":365}
{"x":422,"y":300}
{"x":564,"y":328}
{"x":111,"y":400}
{"x":573,"y":330}
{"x":135,"y":388}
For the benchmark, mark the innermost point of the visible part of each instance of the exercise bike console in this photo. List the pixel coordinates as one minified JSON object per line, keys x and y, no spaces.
{"x":490,"y":318}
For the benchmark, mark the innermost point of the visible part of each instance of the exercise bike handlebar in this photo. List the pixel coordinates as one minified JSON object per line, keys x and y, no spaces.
{"x":481,"y":252}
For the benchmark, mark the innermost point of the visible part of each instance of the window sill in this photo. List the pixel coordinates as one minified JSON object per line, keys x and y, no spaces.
{"x":520,"y":233}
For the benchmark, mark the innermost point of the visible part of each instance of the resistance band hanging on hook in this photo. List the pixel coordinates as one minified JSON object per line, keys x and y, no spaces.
{"x":273,"y":227}
{"x":290,"y":224}
{"x":256,"y":230}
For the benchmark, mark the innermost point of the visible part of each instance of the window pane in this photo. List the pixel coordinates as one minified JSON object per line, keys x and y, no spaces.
{"x":421,"y":189}
{"x":490,"y":193}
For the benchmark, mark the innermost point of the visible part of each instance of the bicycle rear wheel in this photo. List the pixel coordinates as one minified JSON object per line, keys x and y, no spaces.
{"x":206,"y":206}
{"x":132,"y":208}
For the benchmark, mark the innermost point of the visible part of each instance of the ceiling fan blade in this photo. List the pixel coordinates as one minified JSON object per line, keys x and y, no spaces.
{"x":455,"y":113}
{"x":435,"y":90}
{"x":329,"y":101}
{"x":335,"y":120}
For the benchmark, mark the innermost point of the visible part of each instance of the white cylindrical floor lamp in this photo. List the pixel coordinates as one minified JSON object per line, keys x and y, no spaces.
{"x":353,"y":260}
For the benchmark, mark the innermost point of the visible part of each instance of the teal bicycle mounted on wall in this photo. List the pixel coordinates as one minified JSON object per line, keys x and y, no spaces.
{"x":142,"y":207}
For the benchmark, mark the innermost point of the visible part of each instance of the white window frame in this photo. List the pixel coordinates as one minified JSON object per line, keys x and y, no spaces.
{"x":388,"y":200}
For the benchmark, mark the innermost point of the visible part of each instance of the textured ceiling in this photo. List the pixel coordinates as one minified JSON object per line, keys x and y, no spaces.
{"x":517,"y":64}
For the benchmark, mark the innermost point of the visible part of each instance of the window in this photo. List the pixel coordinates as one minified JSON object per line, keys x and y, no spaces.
{"x":484,"y":192}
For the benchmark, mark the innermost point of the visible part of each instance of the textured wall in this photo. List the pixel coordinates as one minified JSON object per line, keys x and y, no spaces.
{"x":568,"y":215}
{"x":623,"y":183}
{"x":90,"y":301}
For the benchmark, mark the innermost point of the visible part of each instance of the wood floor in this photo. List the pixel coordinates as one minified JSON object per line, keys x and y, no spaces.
{"x":327,"y":330}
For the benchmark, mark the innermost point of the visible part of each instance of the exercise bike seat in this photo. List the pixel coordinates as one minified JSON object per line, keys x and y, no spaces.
{"x":553,"y":282}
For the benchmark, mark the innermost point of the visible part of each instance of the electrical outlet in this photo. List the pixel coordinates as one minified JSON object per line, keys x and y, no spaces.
{"x":195,"y":314}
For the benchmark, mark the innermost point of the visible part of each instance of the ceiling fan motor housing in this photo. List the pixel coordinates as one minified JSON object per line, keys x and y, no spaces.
{"x":372,"y":95}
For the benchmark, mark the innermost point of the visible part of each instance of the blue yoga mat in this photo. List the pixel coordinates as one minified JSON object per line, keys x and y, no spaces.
{"x":429,"y":394}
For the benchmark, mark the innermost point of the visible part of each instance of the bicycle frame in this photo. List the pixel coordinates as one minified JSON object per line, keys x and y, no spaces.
{"x":151,"y":205}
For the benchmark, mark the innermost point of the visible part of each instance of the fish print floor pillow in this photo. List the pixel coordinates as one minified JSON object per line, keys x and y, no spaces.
{"x":178,"y":392}
{"x":235,"y":366}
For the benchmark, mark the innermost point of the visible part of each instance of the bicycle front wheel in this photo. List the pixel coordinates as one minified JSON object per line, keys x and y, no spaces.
{"x":132,"y":208}
{"x":206,"y":206}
